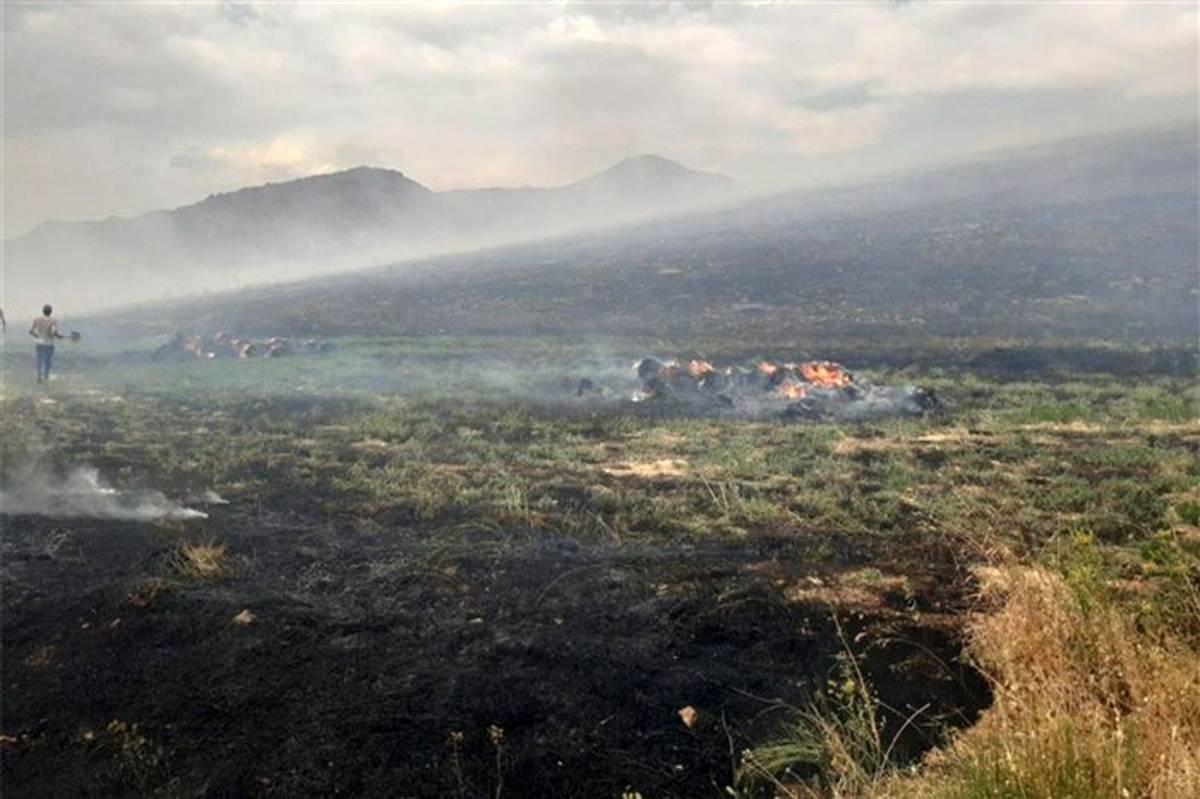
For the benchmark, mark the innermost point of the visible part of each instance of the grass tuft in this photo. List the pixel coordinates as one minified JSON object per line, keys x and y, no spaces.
{"x":203,"y":560}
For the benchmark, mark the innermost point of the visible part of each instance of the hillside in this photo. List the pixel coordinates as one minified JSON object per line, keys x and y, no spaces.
{"x":1089,"y":239}
{"x":321,"y":224}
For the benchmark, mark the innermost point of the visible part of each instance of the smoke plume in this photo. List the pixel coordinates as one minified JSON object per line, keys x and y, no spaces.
{"x":84,"y":493}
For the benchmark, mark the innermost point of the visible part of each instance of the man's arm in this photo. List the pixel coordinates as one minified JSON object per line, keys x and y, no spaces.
{"x":54,"y":331}
{"x":33,"y":328}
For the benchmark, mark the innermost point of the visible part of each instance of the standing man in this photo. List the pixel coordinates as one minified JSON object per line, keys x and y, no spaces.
{"x":45,"y":330}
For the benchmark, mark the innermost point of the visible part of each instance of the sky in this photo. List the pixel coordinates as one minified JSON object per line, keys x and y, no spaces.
{"x":117,"y":108}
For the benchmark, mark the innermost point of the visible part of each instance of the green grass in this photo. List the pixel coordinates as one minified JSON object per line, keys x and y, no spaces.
{"x":442,"y":446}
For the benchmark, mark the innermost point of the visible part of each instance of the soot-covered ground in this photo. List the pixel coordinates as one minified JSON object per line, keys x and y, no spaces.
{"x":362,"y":654}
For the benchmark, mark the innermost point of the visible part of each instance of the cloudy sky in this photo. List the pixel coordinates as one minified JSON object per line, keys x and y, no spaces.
{"x":121,"y":107}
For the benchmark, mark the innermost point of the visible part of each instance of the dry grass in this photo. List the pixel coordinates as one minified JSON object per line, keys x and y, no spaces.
{"x":666,"y":467}
{"x":1086,"y":705}
{"x":41,"y":658}
{"x":146,"y":593}
{"x":202,"y":560}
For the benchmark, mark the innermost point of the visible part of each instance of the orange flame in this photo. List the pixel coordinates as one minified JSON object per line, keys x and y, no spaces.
{"x":826,"y":374}
{"x":768,"y":368}
{"x":698,"y":369}
{"x":791,"y":390}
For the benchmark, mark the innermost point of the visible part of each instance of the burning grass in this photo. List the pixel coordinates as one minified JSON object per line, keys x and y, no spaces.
{"x":808,"y":391}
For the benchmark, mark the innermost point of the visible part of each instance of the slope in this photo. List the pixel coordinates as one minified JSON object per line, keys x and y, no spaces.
{"x":1089,"y":239}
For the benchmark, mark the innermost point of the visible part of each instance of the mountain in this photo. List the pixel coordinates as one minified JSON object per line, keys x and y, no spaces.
{"x":636,"y":188}
{"x":1093,"y":238}
{"x":651,"y":175}
{"x":322,"y":224}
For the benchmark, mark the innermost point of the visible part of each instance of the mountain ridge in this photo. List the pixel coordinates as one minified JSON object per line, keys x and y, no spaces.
{"x":322,"y":224}
{"x":676,"y":168}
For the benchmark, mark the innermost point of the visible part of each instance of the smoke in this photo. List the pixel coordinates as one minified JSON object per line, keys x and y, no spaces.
{"x":84,"y":493}
{"x":323,"y":225}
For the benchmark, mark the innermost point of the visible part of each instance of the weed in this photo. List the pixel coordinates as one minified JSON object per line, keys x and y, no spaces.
{"x":835,"y":746}
{"x":455,"y":739}
{"x":496,"y":738}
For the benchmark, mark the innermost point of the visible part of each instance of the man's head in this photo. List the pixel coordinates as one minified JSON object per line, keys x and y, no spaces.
{"x":46,"y":310}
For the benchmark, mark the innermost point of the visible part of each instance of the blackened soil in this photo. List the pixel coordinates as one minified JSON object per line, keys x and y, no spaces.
{"x":368,"y":651}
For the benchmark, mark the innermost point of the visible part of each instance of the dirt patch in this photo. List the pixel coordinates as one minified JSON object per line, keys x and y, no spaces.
{"x":372,"y":444}
{"x":956,"y":436}
{"x":853,"y":593}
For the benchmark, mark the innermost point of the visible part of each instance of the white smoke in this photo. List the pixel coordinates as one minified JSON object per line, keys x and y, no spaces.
{"x":84,"y":493}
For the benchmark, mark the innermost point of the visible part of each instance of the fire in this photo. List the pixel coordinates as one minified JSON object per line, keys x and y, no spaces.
{"x":782,"y":379}
{"x":812,"y":390}
{"x":792,"y":390}
{"x":826,"y":374}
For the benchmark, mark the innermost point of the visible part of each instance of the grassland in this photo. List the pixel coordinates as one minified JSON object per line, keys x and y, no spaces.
{"x":1089,"y":482}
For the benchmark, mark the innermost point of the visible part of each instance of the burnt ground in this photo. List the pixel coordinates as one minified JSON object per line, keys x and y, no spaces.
{"x":367,"y":650}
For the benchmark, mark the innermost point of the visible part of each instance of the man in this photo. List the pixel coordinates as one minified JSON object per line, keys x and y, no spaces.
{"x":45,"y":330}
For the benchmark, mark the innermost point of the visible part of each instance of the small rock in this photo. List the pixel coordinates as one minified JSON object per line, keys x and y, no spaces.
{"x":244,"y":618}
{"x":688,"y":716}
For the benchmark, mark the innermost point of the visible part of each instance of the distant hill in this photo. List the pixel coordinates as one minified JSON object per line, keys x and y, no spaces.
{"x":1091,"y":238}
{"x":636,"y":188}
{"x":322,"y":224}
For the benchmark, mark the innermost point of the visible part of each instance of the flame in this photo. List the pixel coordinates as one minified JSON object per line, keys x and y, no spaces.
{"x":826,"y":374}
{"x":792,"y":390}
{"x":787,"y":380}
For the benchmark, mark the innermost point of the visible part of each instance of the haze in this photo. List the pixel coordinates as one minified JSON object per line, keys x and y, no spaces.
{"x":624,"y":113}
{"x":113,"y":109}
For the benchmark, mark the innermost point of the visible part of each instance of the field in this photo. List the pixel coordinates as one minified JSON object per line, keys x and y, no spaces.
{"x":432,"y":571}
